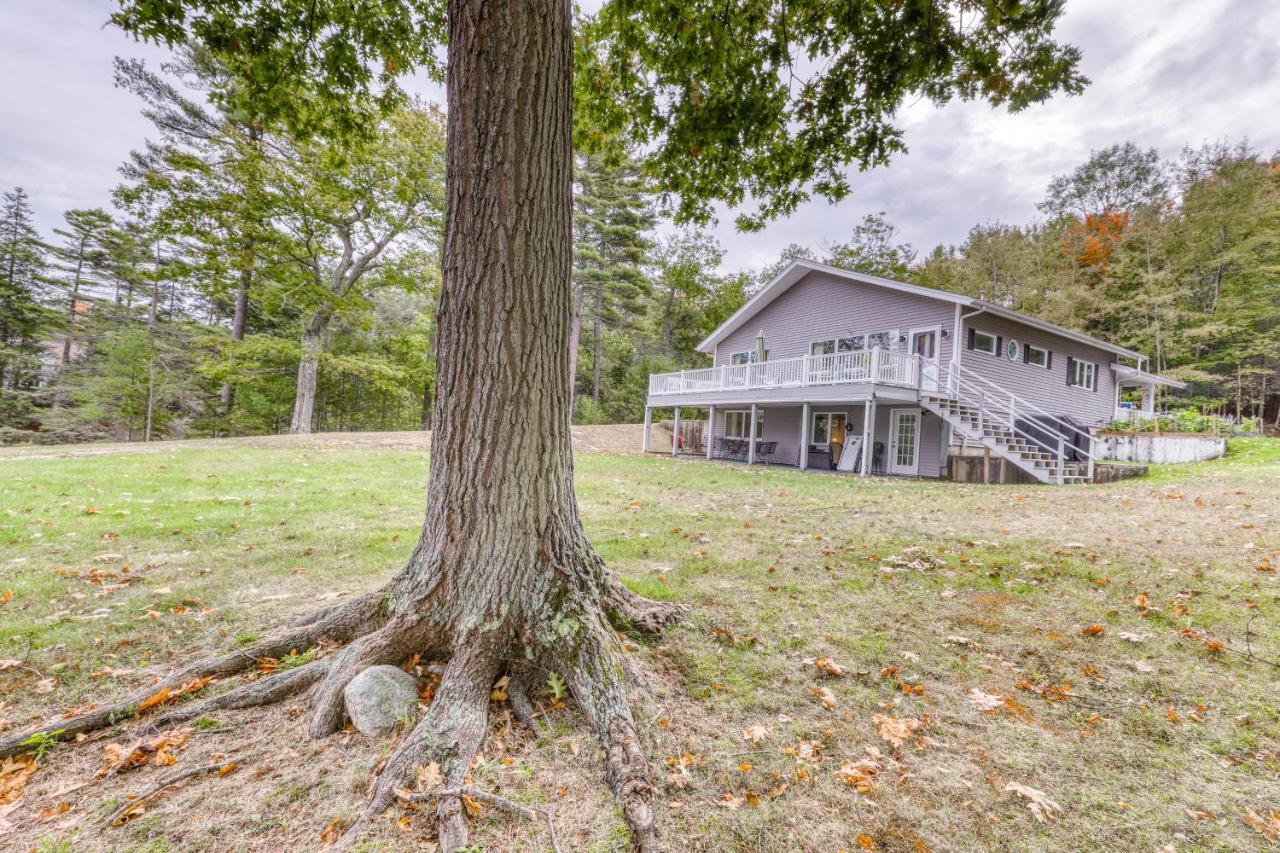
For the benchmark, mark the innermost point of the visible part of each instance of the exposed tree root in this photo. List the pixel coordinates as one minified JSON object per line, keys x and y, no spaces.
{"x":589,"y":657}
{"x":597,"y":683}
{"x":121,"y":814}
{"x":643,"y":614}
{"x":339,"y":625}
{"x":268,"y":691}
{"x":521,"y":706}
{"x":450,"y":733}
{"x":394,"y":642}
{"x":497,"y":802}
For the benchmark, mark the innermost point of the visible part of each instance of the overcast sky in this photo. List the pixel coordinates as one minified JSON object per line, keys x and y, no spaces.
{"x":1166,"y":73}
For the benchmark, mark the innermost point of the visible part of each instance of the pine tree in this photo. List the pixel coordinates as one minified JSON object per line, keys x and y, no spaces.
{"x":23,"y":317}
{"x":80,"y":263}
{"x":611,"y":222}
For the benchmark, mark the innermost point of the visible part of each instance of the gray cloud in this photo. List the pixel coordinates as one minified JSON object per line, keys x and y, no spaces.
{"x":1166,"y":73}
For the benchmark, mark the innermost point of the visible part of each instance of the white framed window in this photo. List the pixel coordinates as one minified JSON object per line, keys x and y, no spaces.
{"x":736,"y":423}
{"x":853,"y":343}
{"x":1082,"y":374}
{"x":983,"y":342}
{"x":826,"y":347}
{"x":1035,"y":356}
{"x":825,"y":425}
{"x":884,"y":340}
{"x":747,"y":357}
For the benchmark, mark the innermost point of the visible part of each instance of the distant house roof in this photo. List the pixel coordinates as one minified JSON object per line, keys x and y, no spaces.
{"x":799,"y":268}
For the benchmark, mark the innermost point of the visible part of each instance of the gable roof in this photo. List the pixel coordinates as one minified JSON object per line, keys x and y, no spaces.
{"x":801,"y":267}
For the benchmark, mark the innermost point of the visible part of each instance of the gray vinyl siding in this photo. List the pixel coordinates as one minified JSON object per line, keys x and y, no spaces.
{"x":1047,"y":389}
{"x":782,"y":424}
{"x":821,"y":306}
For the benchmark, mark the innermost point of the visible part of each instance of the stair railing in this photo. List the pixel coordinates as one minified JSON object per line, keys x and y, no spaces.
{"x":964,"y":390}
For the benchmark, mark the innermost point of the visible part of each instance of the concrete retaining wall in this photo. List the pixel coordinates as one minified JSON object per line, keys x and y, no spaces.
{"x":968,"y":469}
{"x":1160,"y":449}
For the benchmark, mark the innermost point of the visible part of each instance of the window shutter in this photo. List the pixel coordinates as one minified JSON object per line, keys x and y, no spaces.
{"x":971,"y":332}
{"x":1095,"y":377}
{"x":1048,"y":360}
{"x":1071,"y":366}
{"x":1026,"y":354}
{"x":999,"y":353}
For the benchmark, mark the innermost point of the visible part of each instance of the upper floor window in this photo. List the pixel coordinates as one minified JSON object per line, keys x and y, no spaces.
{"x":1082,"y":374}
{"x":1036,"y":356}
{"x":983,"y":342}
{"x":748,"y":357}
{"x":853,"y":343}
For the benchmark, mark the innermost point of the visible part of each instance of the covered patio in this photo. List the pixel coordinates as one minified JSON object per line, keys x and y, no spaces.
{"x":877,"y":434}
{"x":1147,"y":383}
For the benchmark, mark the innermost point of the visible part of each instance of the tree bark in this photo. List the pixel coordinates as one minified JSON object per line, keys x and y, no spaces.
{"x":238,"y":323}
{"x":502,"y":578}
{"x":575,"y":337}
{"x":304,"y":399}
{"x":71,"y":306}
{"x":596,"y":346}
{"x":426,"y":406}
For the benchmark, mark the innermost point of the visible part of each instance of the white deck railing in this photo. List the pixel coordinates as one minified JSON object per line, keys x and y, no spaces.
{"x":881,"y":366}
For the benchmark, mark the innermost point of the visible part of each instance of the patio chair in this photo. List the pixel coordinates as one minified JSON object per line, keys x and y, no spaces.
{"x":719,"y":448}
{"x":877,"y":456}
{"x":765,"y":451}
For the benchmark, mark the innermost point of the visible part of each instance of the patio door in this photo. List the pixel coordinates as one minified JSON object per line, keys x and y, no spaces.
{"x":924,"y":343}
{"x":904,"y":441}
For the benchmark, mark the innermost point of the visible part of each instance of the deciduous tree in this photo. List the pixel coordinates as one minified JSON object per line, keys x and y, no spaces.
{"x":503,"y":578}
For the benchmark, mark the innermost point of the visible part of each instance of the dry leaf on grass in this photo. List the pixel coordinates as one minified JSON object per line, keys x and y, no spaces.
{"x":172,"y":694}
{"x":826,"y":665}
{"x":859,"y":775}
{"x":896,"y":730}
{"x":756,"y":735}
{"x":117,"y":758}
{"x":429,"y":776}
{"x":1039,"y":803}
{"x":14,"y":773}
{"x":985,"y":702}
{"x":825,"y":696}
{"x":1268,"y":824}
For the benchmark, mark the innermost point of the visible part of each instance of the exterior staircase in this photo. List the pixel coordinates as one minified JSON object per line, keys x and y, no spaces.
{"x":986,"y":414}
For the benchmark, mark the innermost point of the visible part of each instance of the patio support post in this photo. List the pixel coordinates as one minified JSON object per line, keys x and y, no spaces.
{"x":675,"y":431}
{"x":751,"y":441}
{"x":1148,"y":399}
{"x":804,"y":437}
{"x":868,"y":433}
{"x":709,"y":433}
{"x":648,"y":421}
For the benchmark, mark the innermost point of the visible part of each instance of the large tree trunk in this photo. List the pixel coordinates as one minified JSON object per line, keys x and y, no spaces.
{"x":502,"y":579}
{"x":304,"y":398}
{"x":238,"y":324}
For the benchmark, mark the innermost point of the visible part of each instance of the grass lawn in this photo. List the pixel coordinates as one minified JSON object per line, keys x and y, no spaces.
{"x":1065,"y":640}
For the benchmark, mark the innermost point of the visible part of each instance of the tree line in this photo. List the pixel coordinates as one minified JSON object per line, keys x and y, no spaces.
{"x":249,"y":281}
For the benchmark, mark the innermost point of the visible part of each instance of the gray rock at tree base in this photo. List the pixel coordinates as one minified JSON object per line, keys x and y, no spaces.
{"x":379,"y":698}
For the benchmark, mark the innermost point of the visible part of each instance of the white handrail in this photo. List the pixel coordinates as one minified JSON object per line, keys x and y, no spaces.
{"x":959,"y":385}
{"x":874,"y":365}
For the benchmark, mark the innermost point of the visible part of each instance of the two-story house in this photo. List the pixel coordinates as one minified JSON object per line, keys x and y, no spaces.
{"x":827,"y":368}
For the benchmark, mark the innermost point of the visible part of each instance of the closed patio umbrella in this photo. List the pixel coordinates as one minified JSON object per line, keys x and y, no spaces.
{"x":761,"y":352}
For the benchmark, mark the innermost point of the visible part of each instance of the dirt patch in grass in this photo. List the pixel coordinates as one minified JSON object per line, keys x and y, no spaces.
{"x":1024,"y":667}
